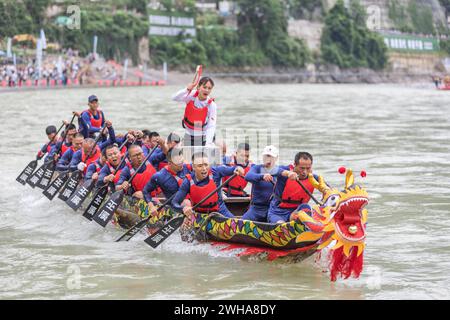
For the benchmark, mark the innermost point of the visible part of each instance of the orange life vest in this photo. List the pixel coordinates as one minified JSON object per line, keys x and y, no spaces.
{"x":235,"y":187}
{"x":293,"y":194}
{"x":97,"y":123}
{"x":198,"y":193}
{"x":93,"y":158}
{"x":195,"y":118}
{"x":141,"y":179}
{"x":114,"y":172}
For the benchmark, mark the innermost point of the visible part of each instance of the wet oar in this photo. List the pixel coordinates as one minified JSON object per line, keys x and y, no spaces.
{"x":50,"y":169}
{"x":138,"y":226}
{"x":27,"y":172}
{"x":52,"y":190}
{"x":170,"y":227}
{"x":77,"y":199}
{"x":106,"y":212}
{"x":96,"y":202}
{"x":37,"y":176}
{"x":71,"y":186}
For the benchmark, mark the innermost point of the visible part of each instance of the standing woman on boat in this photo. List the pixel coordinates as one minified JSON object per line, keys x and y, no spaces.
{"x":200,"y":113}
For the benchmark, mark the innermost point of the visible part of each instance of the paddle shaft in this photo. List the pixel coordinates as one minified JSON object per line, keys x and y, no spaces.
{"x":64,"y":136}
{"x":309,"y":193}
{"x":141,"y":165}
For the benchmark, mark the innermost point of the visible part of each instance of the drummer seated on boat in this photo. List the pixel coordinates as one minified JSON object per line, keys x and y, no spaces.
{"x":262,"y":179}
{"x":110,"y":172}
{"x":80,"y":160}
{"x":144,"y":174}
{"x":204,"y":180}
{"x":168,"y":179}
{"x":64,"y":162}
{"x":241,"y":158}
{"x":159,"y":158}
{"x":288,"y":194}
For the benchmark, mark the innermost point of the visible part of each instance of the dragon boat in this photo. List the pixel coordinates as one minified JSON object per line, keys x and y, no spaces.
{"x":338,"y":224}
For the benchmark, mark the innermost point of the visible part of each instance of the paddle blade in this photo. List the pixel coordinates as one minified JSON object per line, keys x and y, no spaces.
{"x":37,"y":176}
{"x":106,"y":212}
{"x":27,"y":172}
{"x":162,"y":234}
{"x":70,"y":186}
{"x":95,"y":203}
{"x":77,"y":199}
{"x":133,"y":230}
{"x":47,"y":177}
{"x":57,"y":184}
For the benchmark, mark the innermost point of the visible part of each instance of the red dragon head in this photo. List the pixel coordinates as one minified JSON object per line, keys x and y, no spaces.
{"x":342,"y":220}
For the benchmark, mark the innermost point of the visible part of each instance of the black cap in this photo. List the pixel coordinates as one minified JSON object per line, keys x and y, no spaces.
{"x":50,"y":130}
{"x":92,"y":98}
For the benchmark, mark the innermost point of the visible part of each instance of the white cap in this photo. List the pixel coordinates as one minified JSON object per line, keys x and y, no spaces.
{"x":271,"y":151}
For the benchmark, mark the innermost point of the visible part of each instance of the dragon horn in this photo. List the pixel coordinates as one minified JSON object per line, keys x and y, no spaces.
{"x":320,"y":185}
{"x":349,"y":179}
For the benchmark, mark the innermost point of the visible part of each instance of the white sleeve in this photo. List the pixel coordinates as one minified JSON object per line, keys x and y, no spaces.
{"x":211,"y":126}
{"x":181,"y":96}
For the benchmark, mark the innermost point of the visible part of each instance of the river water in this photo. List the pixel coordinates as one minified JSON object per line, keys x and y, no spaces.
{"x":400,"y":136}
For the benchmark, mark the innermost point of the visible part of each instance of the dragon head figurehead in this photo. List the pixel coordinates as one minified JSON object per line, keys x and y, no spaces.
{"x":340,"y":219}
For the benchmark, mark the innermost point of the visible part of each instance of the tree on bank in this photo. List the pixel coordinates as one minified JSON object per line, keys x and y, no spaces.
{"x":347,"y":42}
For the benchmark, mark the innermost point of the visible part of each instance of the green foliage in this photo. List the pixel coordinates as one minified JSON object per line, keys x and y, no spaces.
{"x":445,"y":46}
{"x":414,"y":18}
{"x":422,"y":18}
{"x":304,"y":9}
{"x":346,"y":42}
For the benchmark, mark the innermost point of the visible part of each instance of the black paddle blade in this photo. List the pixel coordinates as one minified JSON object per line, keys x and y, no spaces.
{"x":37,"y":176}
{"x":106,"y":212}
{"x":133,"y":230}
{"x":162,"y":234}
{"x":70,"y":186}
{"x":27,"y":172}
{"x":51,"y":191}
{"x":47,"y":177}
{"x":95,"y":204}
{"x":77,"y":199}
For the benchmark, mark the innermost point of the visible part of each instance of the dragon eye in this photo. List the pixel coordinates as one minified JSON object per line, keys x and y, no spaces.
{"x":332,"y":200}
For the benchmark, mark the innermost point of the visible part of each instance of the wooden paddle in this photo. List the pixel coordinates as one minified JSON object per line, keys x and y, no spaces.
{"x":106,"y":212}
{"x":28,"y":171}
{"x":77,"y":199}
{"x":197,"y":76}
{"x":71,"y":185}
{"x":173,"y":224}
{"x":309,"y":193}
{"x":50,"y":170}
{"x":130,"y":233}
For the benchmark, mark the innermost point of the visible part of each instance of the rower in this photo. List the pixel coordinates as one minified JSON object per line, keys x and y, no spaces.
{"x":80,"y":160}
{"x":93,"y":117}
{"x":93,"y":169}
{"x":64,"y":161}
{"x":168,"y":179}
{"x":288,"y":194}
{"x":200,"y":183}
{"x":200,"y":114}
{"x":66,"y":144}
{"x":50,"y":131}
{"x":150,"y":140}
{"x":241,"y":158}
{"x":158,"y":159}
{"x":111,"y":170}
{"x":262,"y":180}
{"x":144,"y":174}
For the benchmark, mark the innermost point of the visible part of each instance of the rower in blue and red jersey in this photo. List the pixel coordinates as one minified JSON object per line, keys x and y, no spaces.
{"x":51,"y":133}
{"x":94,"y":168}
{"x":158,"y":159}
{"x":110,"y":172}
{"x":289,"y":196}
{"x":149,"y":140}
{"x":89,"y":153}
{"x":203,"y":180}
{"x":241,"y":158}
{"x":64,"y":161}
{"x":262,"y":177}
{"x":168,"y":179}
{"x":135,"y":188}
{"x":93,"y":116}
